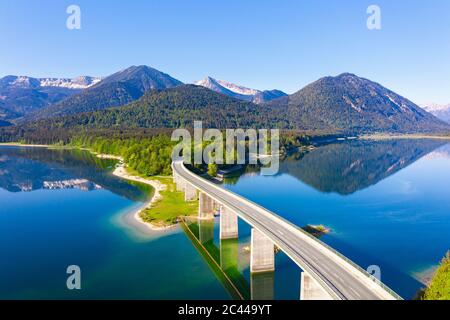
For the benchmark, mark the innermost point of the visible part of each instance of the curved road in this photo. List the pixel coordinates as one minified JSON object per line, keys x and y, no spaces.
{"x":341,"y":279}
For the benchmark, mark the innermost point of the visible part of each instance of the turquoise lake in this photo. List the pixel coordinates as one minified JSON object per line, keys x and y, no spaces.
{"x":387,"y":204}
{"x":42,"y":231}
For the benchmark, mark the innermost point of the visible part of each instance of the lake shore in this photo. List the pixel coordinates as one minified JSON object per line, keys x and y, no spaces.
{"x":120,"y":171}
{"x":401,"y":136}
{"x":425,"y":275}
{"x":15,"y":144}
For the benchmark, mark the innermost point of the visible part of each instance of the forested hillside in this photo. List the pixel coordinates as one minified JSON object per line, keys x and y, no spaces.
{"x":176,"y":107}
{"x":149,"y":156}
{"x":351,"y":103}
{"x":343,"y":104}
{"x":118,"y":89}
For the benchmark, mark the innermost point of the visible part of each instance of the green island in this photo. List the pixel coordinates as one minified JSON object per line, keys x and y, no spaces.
{"x":316,"y":230}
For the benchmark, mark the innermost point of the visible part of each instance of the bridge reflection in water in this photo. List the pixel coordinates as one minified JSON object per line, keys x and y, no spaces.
{"x":229,"y":261}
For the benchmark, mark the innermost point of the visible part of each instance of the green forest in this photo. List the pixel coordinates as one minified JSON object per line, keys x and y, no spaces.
{"x":148,"y":156}
{"x":150,"y":153}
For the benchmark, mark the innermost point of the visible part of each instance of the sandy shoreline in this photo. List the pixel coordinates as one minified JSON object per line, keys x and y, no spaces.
{"x":425,"y":276}
{"x":104,"y":155}
{"x":8,"y":144}
{"x":120,"y":172}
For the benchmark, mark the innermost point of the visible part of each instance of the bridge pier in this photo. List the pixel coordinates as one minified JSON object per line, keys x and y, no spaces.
{"x":262,"y":253}
{"x":228,"y":224}
{"x":205,"y":207}
{"x":175,"y":177}
{"x":190,"y":193}
{"x":311,"y":290}
{"x":217,"y":207}
{"x":180,"y":183}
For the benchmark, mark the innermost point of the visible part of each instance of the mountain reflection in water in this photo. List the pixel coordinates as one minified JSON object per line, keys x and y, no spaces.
{"x":347,"y":167}
{"x":28,"y":169}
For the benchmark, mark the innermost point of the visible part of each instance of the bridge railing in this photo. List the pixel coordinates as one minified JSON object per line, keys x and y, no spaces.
{"x":340,"y":255}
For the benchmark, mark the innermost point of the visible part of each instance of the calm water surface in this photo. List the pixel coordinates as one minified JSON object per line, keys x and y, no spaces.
{"x":386,"y":202}
{"x":61,"y":208}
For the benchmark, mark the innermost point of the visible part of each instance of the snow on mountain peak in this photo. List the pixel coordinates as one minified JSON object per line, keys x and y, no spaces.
{"x":81,"y":82}
{"x":239,"y":92}
{"x":238,"y":89}
{"x":206,"y":82}
{"x":21,"y":81}
{"x":440,"y":111}
{"x":432,"y":107}
{"x":212,"y":84}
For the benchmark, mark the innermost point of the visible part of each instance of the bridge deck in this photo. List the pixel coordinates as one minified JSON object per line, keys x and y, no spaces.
{"x":341,"y":279}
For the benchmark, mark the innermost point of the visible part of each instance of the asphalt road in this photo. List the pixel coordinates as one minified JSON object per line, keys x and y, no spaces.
{"x":339,"y":278}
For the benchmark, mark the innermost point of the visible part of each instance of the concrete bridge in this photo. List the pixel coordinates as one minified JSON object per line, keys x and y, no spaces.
{"x":326,"y":274}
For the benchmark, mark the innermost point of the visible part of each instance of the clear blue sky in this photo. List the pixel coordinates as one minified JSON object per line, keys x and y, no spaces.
{"x":264,"y":44}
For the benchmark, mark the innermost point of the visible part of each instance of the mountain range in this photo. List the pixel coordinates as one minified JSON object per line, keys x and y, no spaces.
{"x":348,"y":102}
{"x":20,"y":95}
{"x":240,"y":92}
{"x":143,"y":97}
{"x":117,"y":89}
{"x":172,"y":108}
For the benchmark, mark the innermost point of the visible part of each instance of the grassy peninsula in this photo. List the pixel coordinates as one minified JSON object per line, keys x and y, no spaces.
{"x":166,"y":209}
